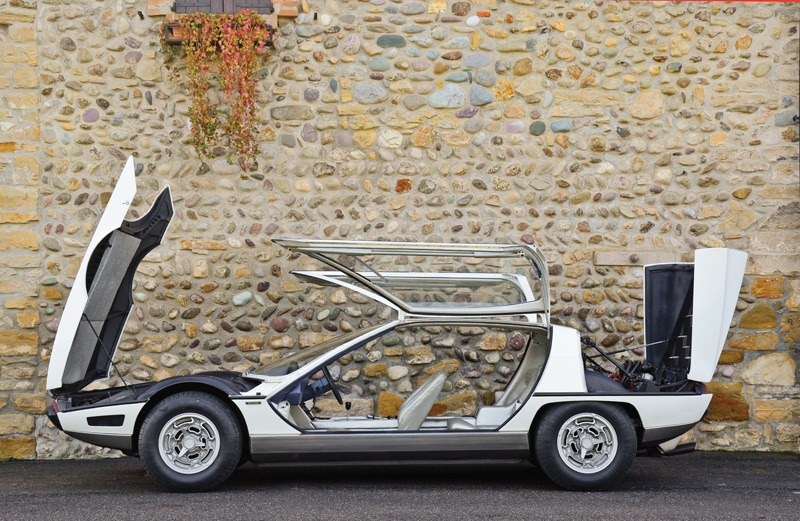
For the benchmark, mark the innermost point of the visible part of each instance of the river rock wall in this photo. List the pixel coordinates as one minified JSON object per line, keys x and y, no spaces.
{"x":610,"y":134}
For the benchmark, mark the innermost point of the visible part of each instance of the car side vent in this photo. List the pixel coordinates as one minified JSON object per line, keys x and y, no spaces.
{"x":114,"y":420}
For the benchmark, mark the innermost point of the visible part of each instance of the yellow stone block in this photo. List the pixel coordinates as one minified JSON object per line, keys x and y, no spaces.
{"x":32,"y":403}
{"x":503,"y":89}
{"x":476,"y":40}
{"x":744,"y":42}
{"x":20,"y":303}
{"x":17,"y":218}
{"x":25,"y":78}
{"x":20,"y":199}
{"x":21,"y":33}
{"x":18,"y":240}
{"x":49,"y":293}
{"x":16,"y":424}
{"x":437,"y":6}
{"x":763,"y":341}
{"x":28,"y":319}
{"x":18,"y":448}
{"x":364,"y":138}
{"x":777,"y":410}
{"x":375,"y":370}
{"x":23,"y":101}
{"x":389,"y":404}
{"x":17,"y":343}
{"x":18,"y":53}
{"x":768,"y":287}
{"x":717,"y":139}
{"x":350,"y":110}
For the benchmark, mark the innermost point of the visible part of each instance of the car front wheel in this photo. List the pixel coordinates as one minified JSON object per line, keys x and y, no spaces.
{"x":190,"y":442}
{"x":585,"y":446}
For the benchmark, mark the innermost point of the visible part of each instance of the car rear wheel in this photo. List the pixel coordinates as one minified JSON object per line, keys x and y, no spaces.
{"x":190,"y":442}
{"x":585,"y":446}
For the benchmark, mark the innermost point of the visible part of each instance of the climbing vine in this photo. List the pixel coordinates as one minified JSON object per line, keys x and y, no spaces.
{"x":223,"y":50}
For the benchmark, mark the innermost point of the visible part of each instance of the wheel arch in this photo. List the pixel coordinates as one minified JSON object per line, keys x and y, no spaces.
{"x":629,"y":409}
{"x":212,"y":387}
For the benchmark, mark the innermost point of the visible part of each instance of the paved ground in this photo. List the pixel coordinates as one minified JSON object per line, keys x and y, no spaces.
{"x":707,"y":486}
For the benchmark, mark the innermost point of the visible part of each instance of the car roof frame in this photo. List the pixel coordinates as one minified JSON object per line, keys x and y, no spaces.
{"x":535,"y":310}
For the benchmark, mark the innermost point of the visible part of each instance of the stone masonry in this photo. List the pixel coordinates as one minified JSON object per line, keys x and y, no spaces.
{"x":611,"y":134}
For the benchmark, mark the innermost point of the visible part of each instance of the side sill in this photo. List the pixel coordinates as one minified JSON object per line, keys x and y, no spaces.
{"x":389,"y":446}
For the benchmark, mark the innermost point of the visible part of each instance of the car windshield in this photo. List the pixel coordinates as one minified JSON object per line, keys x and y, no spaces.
{"x":295,"y":361}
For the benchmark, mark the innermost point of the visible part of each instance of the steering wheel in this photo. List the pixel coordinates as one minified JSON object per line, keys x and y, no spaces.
{"x":336,"y":392}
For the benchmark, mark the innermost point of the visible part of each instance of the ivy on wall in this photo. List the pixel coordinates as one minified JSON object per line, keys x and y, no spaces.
{"x":222,"y":50}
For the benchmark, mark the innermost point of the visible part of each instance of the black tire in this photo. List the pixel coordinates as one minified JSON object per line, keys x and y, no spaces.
{"x":190,"y":442}
{"x":609,"y":443}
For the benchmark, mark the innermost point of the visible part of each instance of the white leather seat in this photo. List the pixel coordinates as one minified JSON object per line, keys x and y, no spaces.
{"x":417,"y":406}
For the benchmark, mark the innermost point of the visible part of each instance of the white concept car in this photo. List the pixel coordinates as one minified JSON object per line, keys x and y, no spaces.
{"x":463,"y":337}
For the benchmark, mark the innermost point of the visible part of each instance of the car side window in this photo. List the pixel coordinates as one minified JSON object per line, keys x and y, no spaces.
{"x":376,"y":378}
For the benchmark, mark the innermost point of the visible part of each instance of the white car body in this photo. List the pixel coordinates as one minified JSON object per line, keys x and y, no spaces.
{"x":596,"y":423}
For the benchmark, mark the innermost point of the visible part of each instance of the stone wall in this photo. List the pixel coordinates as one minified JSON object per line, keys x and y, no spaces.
{"x":610,"y":134}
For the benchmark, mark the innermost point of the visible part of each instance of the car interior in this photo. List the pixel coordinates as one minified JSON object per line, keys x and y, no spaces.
{"x":419,"y":410}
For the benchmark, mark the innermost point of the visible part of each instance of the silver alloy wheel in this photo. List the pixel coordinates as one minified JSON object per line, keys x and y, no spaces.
{"x":587,"y":443}
{"x":189,"y":443}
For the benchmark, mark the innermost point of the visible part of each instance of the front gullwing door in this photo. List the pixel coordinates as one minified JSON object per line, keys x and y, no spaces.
{"x":100,"y":300}
{"x":492,"y":279}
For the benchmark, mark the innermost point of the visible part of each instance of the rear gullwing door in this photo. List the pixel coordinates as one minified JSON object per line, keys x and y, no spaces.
{"x":689,"y":308}
{"x":449,"y":292}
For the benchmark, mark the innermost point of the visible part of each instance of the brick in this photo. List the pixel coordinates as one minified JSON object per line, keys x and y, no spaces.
{"x":159,"y":7}
{"x":18,"y":240}
{"x":18,"y":448}
{"x":16,"y":424}
{"x":19,"y":343}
